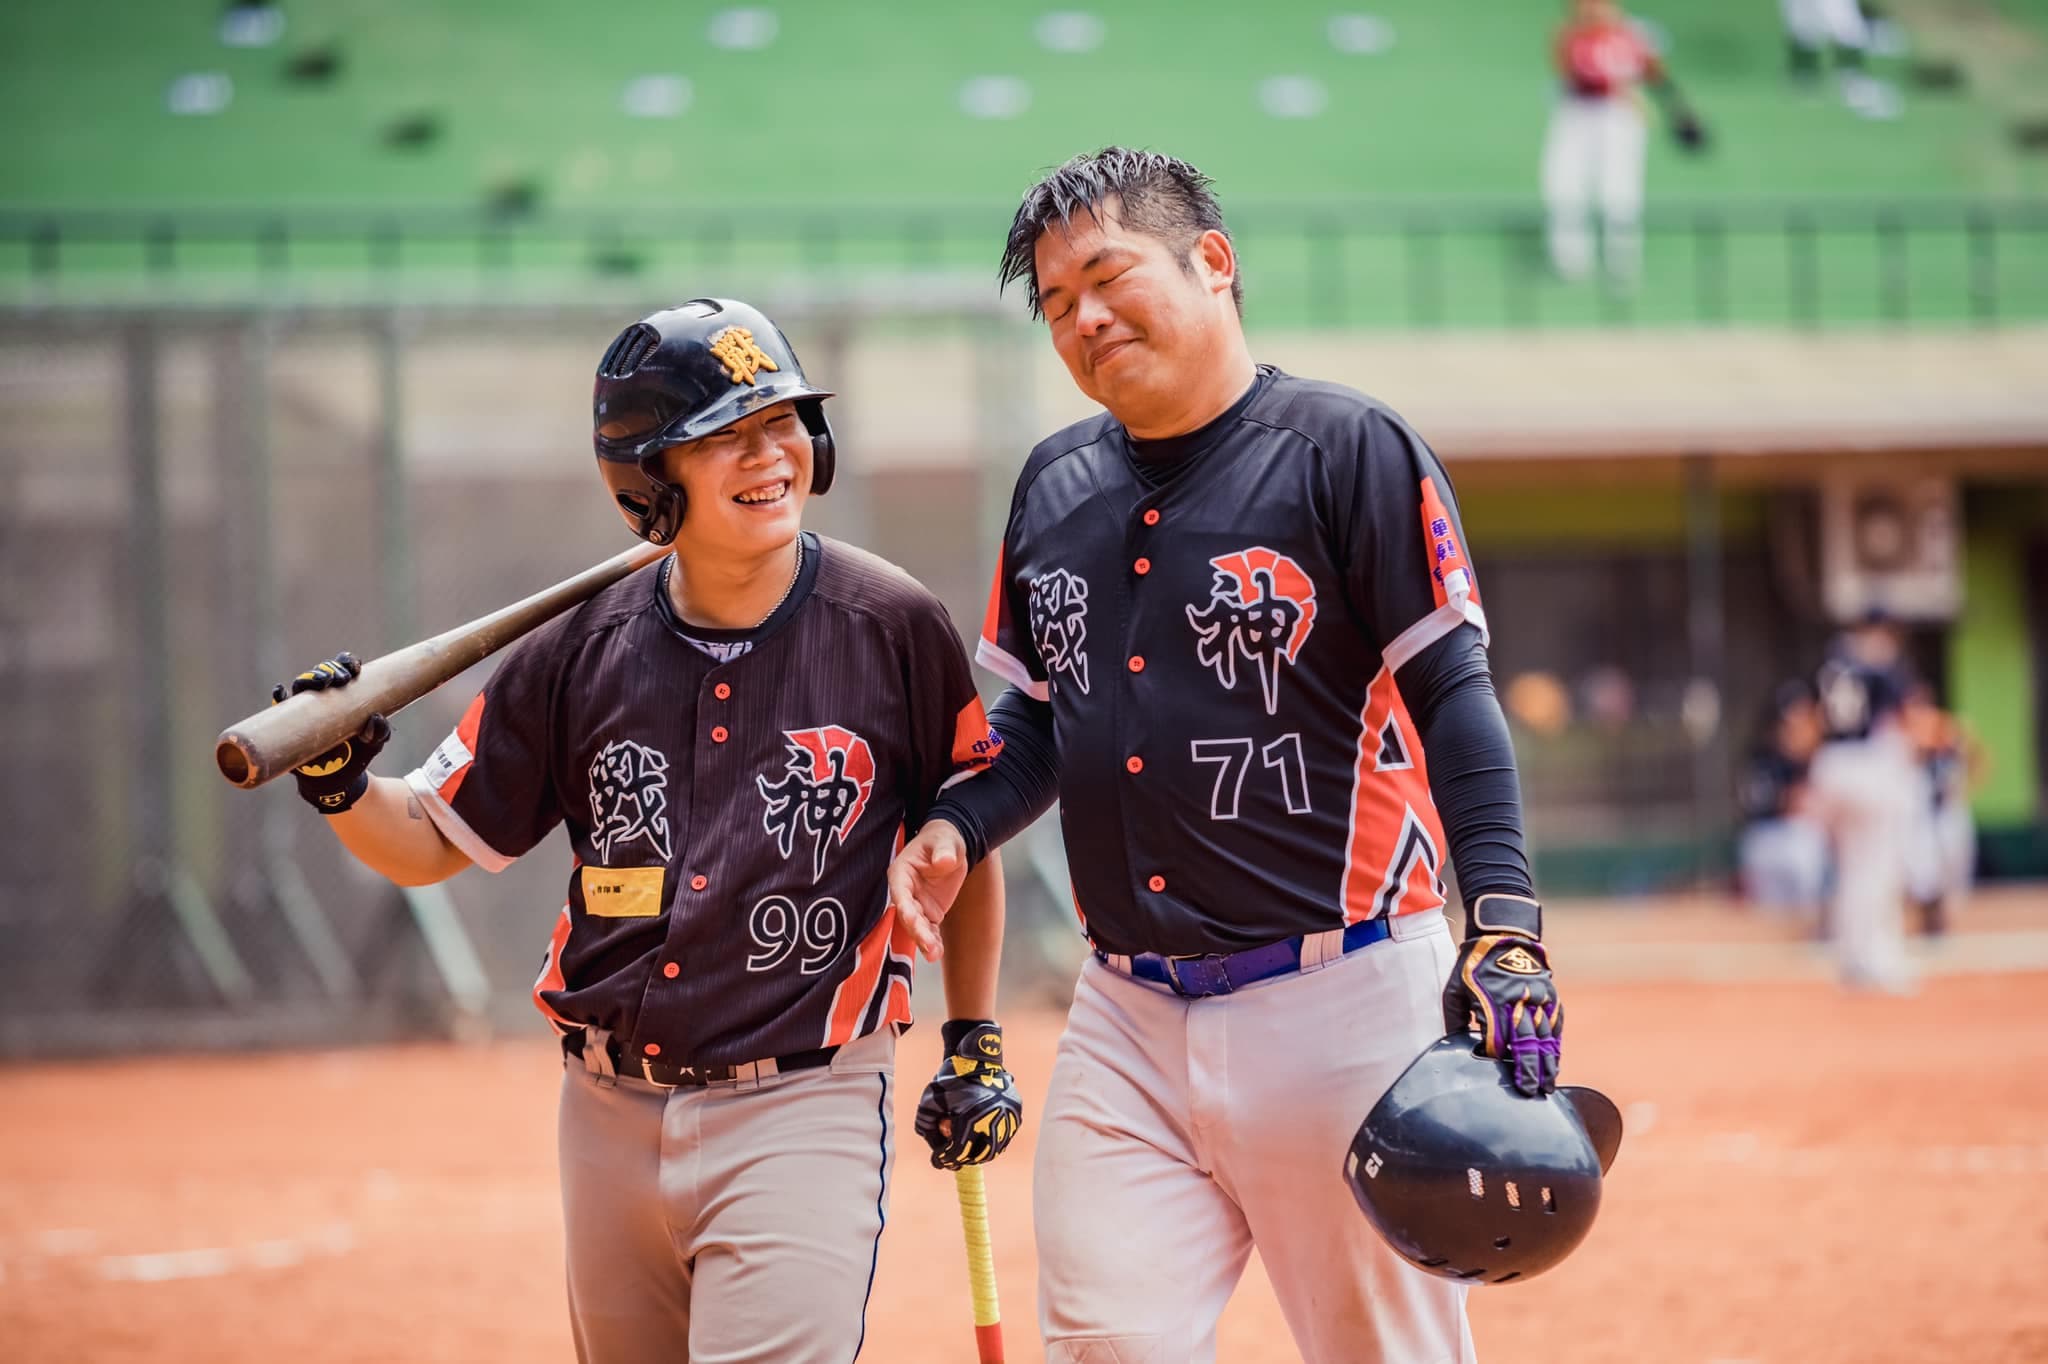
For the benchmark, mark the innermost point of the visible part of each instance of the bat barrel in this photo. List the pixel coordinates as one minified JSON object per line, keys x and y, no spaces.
{"x":298,"y":729}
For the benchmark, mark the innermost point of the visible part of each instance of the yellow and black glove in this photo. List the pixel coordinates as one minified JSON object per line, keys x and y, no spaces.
{"x":337,"y":778}
{"x":1501,"y":983}
{"x":970,"y":1110}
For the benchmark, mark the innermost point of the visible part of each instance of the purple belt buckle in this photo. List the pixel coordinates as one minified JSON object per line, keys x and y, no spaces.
{"x":1198,"y":977}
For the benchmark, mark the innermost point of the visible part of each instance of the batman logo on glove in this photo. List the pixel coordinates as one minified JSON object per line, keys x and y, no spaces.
{"x":970,"y":1111}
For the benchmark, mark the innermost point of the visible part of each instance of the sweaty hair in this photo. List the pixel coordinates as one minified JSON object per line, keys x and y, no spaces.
{"x":1158,"y":195}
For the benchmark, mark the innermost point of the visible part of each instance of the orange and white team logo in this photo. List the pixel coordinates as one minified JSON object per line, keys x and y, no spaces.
{"x":823,"y":790}
{"x":1261,"y":608}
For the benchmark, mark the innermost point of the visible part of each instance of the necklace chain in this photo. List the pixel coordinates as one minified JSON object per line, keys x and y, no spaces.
{"x":788,"y":587}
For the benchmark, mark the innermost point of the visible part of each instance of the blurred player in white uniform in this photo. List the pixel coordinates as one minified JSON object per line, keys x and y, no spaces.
{"x":1870,"y":791}
{"x":1593,"y":153}
{"x":1814,"y":27}
{"x":1942,"y":858}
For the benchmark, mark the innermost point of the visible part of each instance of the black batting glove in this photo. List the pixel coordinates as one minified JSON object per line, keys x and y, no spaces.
{"x":337,"y":778}
{"x":970,"y":1110}
{"x":1501,"y":987}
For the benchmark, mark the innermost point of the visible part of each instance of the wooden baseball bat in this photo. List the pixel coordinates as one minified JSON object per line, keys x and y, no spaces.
{"x":274,"y":741}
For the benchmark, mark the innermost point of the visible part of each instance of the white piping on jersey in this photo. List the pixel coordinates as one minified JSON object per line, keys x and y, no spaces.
{"x":1004,"y":664}
{"x":453,"y":826}
{"x":1457,"y":611}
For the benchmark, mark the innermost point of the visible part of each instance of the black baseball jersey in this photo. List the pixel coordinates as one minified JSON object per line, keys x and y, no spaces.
{"x":1236,"y":762}
{"x":732,"y":821}
{"x":1856,"y":696}
{"x":1768,"y":783}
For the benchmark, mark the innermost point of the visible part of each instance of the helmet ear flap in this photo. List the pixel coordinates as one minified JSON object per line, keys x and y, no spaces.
{"x":653,"y":509}
{"x":824,"y":451}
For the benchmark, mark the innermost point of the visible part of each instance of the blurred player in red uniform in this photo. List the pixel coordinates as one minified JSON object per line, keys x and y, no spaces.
{"x":1593,"y":155}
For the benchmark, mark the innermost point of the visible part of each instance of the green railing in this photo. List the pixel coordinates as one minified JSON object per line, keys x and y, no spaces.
{"x":1353,"y":263}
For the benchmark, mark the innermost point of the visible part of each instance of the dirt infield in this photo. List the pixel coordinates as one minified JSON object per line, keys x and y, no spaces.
{"x":1809,"y":1177}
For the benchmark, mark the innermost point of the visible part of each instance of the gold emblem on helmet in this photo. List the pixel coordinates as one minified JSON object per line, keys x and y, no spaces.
{"x":742,"y":359}
{"x":1520,"y":962}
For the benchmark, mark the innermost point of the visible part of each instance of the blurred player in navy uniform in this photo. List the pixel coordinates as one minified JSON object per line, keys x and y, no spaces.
{"x":1783,"y":851}
{"x":1867,"y":787}
{"x":1244,"y":644}
{"x":736,"y":738}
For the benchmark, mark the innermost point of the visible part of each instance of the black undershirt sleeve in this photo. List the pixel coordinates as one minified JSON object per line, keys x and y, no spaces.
{"x":1449,"y":694}
{"x":1022,"y":783}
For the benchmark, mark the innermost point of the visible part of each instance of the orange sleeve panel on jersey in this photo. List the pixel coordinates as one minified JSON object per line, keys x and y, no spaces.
{"x":975,"y":742}
{"x":466,"y":730}
{"x":1450,"y":572}
{"x":992,"y":618}
{"x":1393,"y":861}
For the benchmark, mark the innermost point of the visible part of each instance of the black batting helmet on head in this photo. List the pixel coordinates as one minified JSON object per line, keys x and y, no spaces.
{"x":683,"y":373}
{"x":1469,"y":1178}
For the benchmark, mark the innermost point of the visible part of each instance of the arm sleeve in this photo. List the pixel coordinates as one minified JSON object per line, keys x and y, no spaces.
{"x":950,"y":735}
{"x":1472,"y":778}
{"x":489,"y":786}
{"x":1407,"y":574}
{"x":1012,"y":793}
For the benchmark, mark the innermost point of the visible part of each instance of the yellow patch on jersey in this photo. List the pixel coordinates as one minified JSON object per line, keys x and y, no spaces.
{"x":1519,"y":961}
{"x":622,"y":892}
{"x":742,"y":358}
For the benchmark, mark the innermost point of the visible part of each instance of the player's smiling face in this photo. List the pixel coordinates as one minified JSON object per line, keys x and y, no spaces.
{"x":1137,"y":326}
{"x":746,"y":484}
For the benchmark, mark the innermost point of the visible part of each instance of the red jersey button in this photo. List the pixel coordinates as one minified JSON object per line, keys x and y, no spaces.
{"x":1134,"y":763}
{"x":1152,"y":517}
{"x":652,"y":1049}
{"x":1137,"y":664}
{"x":718,"y":734}
{"x":671,"y":970}
{"x":698,"y":882}
{"x":1142,"y":567}
{"x":1157,"y":883}
{"x":721,"y":691}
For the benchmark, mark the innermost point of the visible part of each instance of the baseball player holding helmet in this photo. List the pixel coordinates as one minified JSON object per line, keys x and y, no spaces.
{"x":1243,"y":638}
{"x":736,"y":739}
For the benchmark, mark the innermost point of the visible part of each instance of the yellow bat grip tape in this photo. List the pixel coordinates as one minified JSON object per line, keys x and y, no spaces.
{"x":981,"y":1260}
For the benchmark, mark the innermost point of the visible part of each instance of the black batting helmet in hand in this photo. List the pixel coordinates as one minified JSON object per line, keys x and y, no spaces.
{"x":1471,"y":1180}
{"x":683,"y":373}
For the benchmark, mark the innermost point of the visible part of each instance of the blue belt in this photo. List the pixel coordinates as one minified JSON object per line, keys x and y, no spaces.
{"x":1197,"y":977}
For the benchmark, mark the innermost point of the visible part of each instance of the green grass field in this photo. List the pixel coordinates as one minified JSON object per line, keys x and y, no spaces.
{"x":830,"y":146}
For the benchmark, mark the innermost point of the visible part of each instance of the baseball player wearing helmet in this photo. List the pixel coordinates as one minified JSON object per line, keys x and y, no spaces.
{"x":1243,"y":638}
{"x":1870,"y":793}
{"x":735,"y":740}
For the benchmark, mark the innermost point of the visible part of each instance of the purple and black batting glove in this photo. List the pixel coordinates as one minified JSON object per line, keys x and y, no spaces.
{"x":970,"y":1110}
{"x":1501,"y":987}
{"x":336,"y":779}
